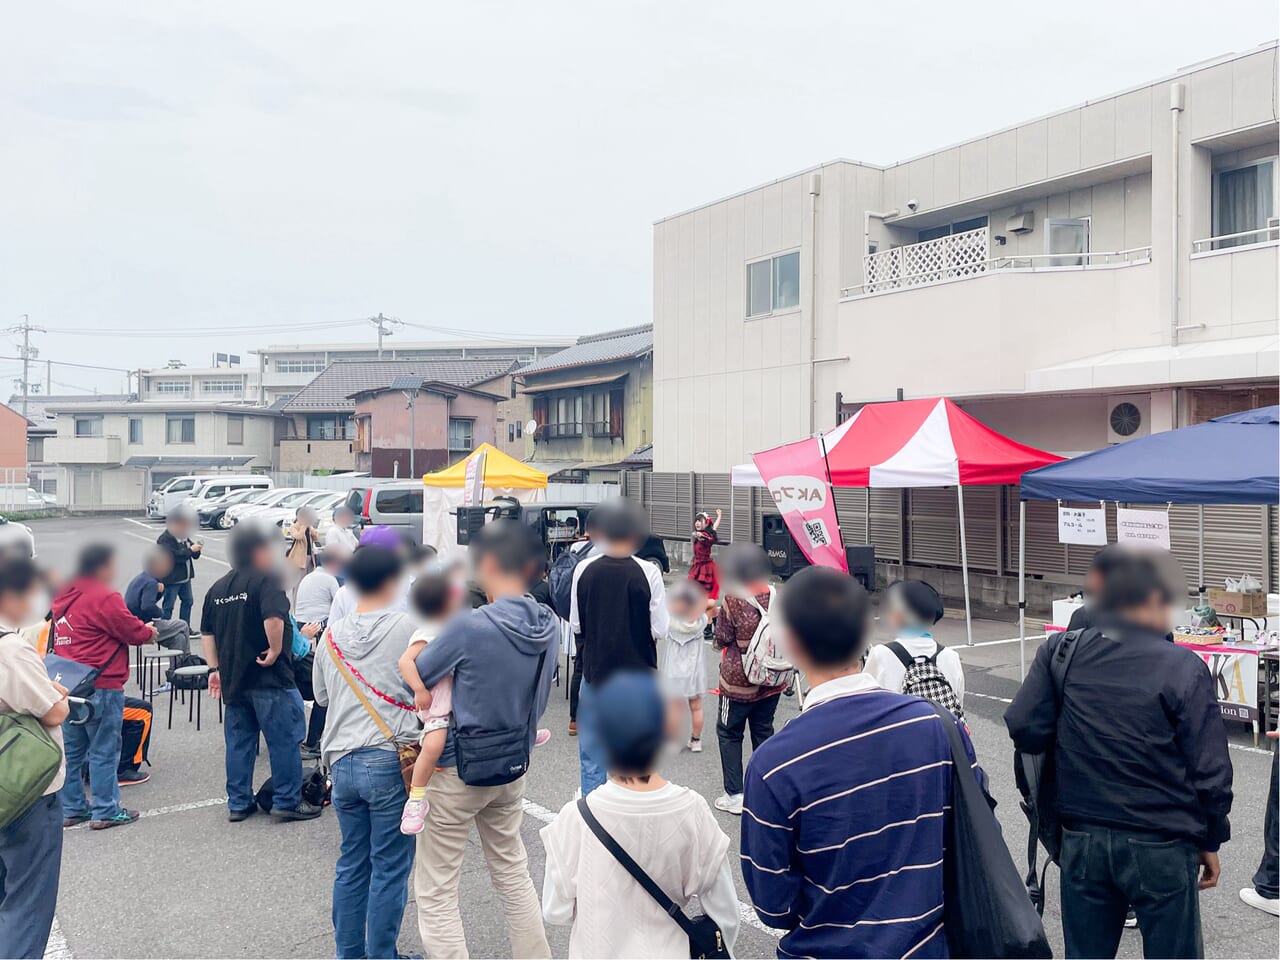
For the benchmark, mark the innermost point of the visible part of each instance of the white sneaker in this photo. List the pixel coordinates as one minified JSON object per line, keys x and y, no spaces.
{"x":1259,"y":902}
{"x":695,"y":746}
{"x":1130,"y":920}
{"x":730,"y":804}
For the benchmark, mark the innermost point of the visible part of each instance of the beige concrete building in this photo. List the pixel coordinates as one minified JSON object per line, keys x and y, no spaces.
{"x":1056,"y":277}
{"x":1073,"y":281}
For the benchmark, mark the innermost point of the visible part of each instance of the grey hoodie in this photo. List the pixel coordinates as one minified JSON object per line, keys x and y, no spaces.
{"x":492,"y":653}
{"x":372,"y":643}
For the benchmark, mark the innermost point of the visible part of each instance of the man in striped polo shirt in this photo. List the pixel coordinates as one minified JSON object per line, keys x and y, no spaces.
{"x":845,"y":808}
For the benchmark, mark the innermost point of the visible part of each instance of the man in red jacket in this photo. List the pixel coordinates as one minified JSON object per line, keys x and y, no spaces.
{"x":91,"y":625}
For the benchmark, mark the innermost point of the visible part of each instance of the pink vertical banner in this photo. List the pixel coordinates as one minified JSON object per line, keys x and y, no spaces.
{"x":796,"y":475}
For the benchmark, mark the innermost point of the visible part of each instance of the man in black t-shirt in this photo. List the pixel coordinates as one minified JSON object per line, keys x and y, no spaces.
{"x":618,"y":611}
{"x":244,"y":630}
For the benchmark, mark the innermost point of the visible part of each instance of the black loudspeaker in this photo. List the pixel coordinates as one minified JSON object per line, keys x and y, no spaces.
{"x":470,"y":522}
{"x":862,"y":564}
{"x":784,"y":553}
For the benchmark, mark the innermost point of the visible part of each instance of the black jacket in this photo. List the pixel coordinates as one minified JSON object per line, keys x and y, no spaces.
{"x":183,"y":558}
{"x":1140,"y":742}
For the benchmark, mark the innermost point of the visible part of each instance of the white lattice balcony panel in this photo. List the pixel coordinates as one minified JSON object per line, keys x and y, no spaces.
{"x":957,"y":255}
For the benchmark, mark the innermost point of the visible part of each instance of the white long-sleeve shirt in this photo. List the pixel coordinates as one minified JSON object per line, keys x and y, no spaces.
{"x":884,"y":665}
{"x":672,"y":834}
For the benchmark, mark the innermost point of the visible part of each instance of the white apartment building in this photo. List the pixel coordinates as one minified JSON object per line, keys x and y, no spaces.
{"x":199,"y":385}
{"x":112,"y":454}
{"x":1073,"y":281}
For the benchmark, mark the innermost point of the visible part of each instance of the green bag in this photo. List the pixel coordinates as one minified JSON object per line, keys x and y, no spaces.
{"x":29,"y":760}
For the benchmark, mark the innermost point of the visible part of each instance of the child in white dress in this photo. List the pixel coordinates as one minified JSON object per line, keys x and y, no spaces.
{"x":668,"y":830}
{"x":684,"y":662}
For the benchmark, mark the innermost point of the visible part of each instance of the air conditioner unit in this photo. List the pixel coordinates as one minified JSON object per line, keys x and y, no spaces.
{"x":1128,"y":417}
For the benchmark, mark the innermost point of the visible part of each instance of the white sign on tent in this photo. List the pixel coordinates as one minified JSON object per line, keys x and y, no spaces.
{"x":1086,"y":525}
{"x":1142,"y":528}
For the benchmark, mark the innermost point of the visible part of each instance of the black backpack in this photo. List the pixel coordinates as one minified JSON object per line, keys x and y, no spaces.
{"x":317,"y":789}
{"x":1036,"y":778}
{"x":187,"y":682}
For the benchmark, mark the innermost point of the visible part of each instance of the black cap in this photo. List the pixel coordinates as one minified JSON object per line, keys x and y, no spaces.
{"x":921,"y":599}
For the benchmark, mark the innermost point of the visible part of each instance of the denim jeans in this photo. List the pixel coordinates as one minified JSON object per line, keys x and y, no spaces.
{"x":98,"y":744}
{"x":591,"y":756}
{"x":1105,"y":870}
{"x":174,"y":592}
{"x":276,"y":714}
{"x":1267,"y":880}
{"x":372,"y":880}
{"x":30,"y":866}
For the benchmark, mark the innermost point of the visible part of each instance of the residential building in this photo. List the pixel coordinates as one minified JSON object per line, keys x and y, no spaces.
{"x":286,"y":368}
{"x":441,"y":422}
{"x":1073,"y":281}
{"x":112,"y":454}
{"x":322,"y":431}
{"x":593,"y":404}
{"x":13,"y":440}
{"x":222,"y":384}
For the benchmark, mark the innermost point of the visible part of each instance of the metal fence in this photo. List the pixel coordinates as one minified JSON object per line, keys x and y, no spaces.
{"x":922,"y":528}
{"x":28,"y":489}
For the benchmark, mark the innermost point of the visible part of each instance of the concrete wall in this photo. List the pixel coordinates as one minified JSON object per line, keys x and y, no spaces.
{"x":311,"y":455}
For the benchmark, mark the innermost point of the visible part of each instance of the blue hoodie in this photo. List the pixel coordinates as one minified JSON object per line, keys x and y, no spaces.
{"x":492,"y":653}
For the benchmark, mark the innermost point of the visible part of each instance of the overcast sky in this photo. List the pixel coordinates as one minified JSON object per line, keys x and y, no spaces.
{"x":169,"y":166}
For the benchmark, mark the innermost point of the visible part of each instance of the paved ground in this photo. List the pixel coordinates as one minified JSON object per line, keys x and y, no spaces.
{"x":183,"y":882}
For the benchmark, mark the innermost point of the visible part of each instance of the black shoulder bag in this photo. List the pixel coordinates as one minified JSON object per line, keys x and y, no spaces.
{"x":705,"y":938}
{"x":986,"y":909}
{"x":1036,"y":779}
{"x":491,"y":758}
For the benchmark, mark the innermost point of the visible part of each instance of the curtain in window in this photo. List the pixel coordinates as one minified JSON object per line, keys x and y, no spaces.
{"x":1244,"y":203}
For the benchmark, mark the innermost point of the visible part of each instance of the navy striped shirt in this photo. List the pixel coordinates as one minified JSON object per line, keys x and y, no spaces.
{"x":845,"y":813}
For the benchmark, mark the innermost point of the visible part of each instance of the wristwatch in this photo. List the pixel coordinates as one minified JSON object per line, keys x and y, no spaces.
{"x":213,"y":669}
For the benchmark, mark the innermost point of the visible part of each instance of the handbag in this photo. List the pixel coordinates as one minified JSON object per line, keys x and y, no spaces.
{"x":986,"y":909}
{"x":77,"y":677}
{"x":705,"y":938}
{"x":492,"y":758}
{"x":407,"y":752}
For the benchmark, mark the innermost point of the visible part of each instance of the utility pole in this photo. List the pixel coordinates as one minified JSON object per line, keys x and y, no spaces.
{"x":27,"y":352}
{"x":384,"y":325}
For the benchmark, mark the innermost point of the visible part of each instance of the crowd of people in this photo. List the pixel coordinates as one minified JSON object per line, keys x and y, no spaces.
{"x":427,"y":680}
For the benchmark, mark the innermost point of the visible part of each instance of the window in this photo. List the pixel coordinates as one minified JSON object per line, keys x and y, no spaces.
{"x":460,"y":433}
{"x":947,"y":229}
{"x":135,"y":429}
{"x":773,"y":284}
{"x":180,"y":430}
{"x":519,"y":429}
{"x":1069,"y":237}
{"x":222,"y":386}
{"x":1244,"y":199}
{"x":235,"y":429}
{"x":88,"y":426}
{"x":171,"y":387}
{"x":397,"y":501}
{"x":606,"y":413}
{"x":299,"y":366}
{"x":511,"y":433}
{"x":330,"y":426}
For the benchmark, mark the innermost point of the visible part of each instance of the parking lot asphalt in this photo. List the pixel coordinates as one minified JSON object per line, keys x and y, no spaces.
{"x":183,"y":882}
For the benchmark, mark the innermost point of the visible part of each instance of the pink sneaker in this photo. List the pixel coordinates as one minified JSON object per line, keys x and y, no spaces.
{"x":414,"y":817}
{"x":541,"y":737}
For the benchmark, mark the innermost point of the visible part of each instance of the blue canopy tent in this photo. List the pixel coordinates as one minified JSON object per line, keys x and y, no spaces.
{"x":1233,"y":459}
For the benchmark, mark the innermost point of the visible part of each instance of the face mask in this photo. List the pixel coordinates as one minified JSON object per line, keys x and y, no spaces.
{"x":41,"y":601}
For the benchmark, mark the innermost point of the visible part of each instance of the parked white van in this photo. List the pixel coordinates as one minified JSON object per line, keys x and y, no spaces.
{"x":194,"y":490}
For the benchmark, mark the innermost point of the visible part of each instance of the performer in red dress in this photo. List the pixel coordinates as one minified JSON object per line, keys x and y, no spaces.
{"x":703,"y":568}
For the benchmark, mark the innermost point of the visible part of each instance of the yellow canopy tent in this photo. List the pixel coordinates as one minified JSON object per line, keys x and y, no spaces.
{"x":442,"y":493}
{"x":500,"y":470}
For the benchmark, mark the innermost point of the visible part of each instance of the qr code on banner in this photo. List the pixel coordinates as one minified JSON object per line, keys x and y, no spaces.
{"x":816,"y":531}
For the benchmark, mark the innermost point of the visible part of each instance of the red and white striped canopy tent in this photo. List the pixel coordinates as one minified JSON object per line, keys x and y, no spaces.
{"x":924,"y":443}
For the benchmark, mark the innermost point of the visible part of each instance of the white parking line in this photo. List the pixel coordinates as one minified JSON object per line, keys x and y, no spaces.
{"x":56,"y":947}
{"x":172,"y":808}
{"x":149,"y":526}
{"x":961,"y":647}
{"x":138,"y":536}
{"x":748,"y":915}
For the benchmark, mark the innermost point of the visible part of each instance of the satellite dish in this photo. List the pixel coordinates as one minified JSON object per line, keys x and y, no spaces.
{"x":531,"y":426}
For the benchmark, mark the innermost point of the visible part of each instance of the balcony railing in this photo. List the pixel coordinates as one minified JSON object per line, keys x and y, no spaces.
{"x":559,"y":431}
{"x":964,"y":255}
{"x":1244,"y":239}
{"x":83,"y":449}
{"x":603,"y":428}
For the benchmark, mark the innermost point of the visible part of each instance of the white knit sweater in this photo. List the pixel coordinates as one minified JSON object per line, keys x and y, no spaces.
{"x":672,"y":834}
